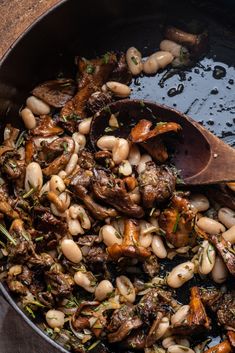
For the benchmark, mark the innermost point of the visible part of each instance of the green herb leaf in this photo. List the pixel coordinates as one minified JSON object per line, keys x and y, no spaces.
{"x":109,"y":129}
{"x":176,"y":223}
{"x":133,"y":59}
{"x":20,"y":139}
{"x":29,"y":193}
{"x":106,"y":58}
{"x":30,"y":311}
{"x":4,"y":231}
{"x":90,"y":69}
{"x":93,"y":345}
{"x":39,"y":239}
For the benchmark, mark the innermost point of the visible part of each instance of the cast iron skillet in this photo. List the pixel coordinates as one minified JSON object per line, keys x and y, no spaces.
{"x":89,"y":28}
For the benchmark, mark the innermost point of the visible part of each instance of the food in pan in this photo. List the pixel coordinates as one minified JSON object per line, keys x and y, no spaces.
{"x":97,"y":243}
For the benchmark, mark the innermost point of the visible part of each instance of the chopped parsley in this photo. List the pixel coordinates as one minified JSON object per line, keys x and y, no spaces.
{"x":133,"y":59}
{"x":90,"y":69}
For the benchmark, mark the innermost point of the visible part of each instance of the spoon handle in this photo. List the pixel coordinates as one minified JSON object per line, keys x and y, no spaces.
{"x":221,"y":165}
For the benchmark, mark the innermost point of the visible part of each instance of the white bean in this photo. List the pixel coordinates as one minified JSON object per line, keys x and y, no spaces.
{"x":183,"y":342}
{"x":62,"y":174}
{"x":162,"y":328}
{"x":206,"y":258}
{"x":110,"y":235}
{"x":231,"y":186}
{"x":179,"y":349}
{"x":85,"y":280}
{"x":56,"y":184}
{"x":71,"y":164}
{"x":126,"y":288}
{"x":125,"y":168}
{"x":169,"y":341}
{"x":84,"y":126}
{"x":180,"y":315}
{"x":103,"y":290}
{"x":118,"y":89}
{"x":28,"y":118}
{"x":106,"y":143}
{"x":134,"y":155}
{"x":172,"y":47}
{"x":134,"y":61}
{"x":33,"y":176}
{"x":56,"y":212}
{"x":156,"y":61}
{"x":71,"y":250}
{"x":219,"y":273}
{"x":180,"y":274}
{"x":77,"y":211}
{"x":64,"y":199}
{"x":163,"y":58}
{"x":120,"y":150}
{"x":145,"y":240}
{"x":80,"y":141}
{"x":158,"y":247}
{"x":210,"y":225}
{"x":135,"y":195}
{"x":142,"y":164}
{"x":55,"y":318}
{"x":37,"y":106}
{"x":200,"y":202}
{"x":229,"y":235}
{"x":227,"y":217}
{"x":74,"y":226}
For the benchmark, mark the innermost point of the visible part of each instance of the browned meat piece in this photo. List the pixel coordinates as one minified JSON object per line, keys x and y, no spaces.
{"x":225,"y":250}
{"x":56,"y":92}
{"x":46,"y":127}
{"x":11,"y":165}
{"x":48,"y":222}
{"x":121,"y":73}
{"x":223,"y":347}
{"x":42,"y":261}
{"x":178,"y":222}
{"x":97,"y":101}
{"x":61,"y":284}
{"x":129,"y":246}
{"x":212,"y":298}
{"x":82,"y":178}
{"x":222,"y":304}
{"x":119,"y":316}
{"x":79,"y":321}
{"x":226,"y":311}
{"x":96,"y":256}
{"x":125,"y":329}
{"x":98,"y":211}
{"x":156,"y":300}
{"x":156,"y":184}
{"x":112,"y":191}
{"x":86,"y":159}
{"x":151,"y":266}
{"x":63,"y":146}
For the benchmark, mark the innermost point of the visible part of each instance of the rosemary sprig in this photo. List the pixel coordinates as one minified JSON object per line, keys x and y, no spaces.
{"x":4,"y":231}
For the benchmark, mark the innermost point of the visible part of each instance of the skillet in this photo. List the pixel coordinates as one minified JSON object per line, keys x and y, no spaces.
{"x":47,"y":49}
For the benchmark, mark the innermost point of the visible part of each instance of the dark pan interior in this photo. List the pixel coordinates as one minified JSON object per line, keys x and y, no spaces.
{"x":90,"y":28}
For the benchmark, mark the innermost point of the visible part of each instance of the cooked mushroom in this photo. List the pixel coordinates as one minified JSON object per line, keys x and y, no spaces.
{"x":129,"y":246}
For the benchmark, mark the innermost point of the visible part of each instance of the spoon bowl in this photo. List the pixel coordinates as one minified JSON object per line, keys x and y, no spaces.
{"x":200,"y":156}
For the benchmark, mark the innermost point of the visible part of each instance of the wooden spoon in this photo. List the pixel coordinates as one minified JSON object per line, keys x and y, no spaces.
{"x":201,"y":157}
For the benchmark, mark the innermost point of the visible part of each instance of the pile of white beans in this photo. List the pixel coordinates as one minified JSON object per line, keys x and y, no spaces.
{"x":128,"y":159}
